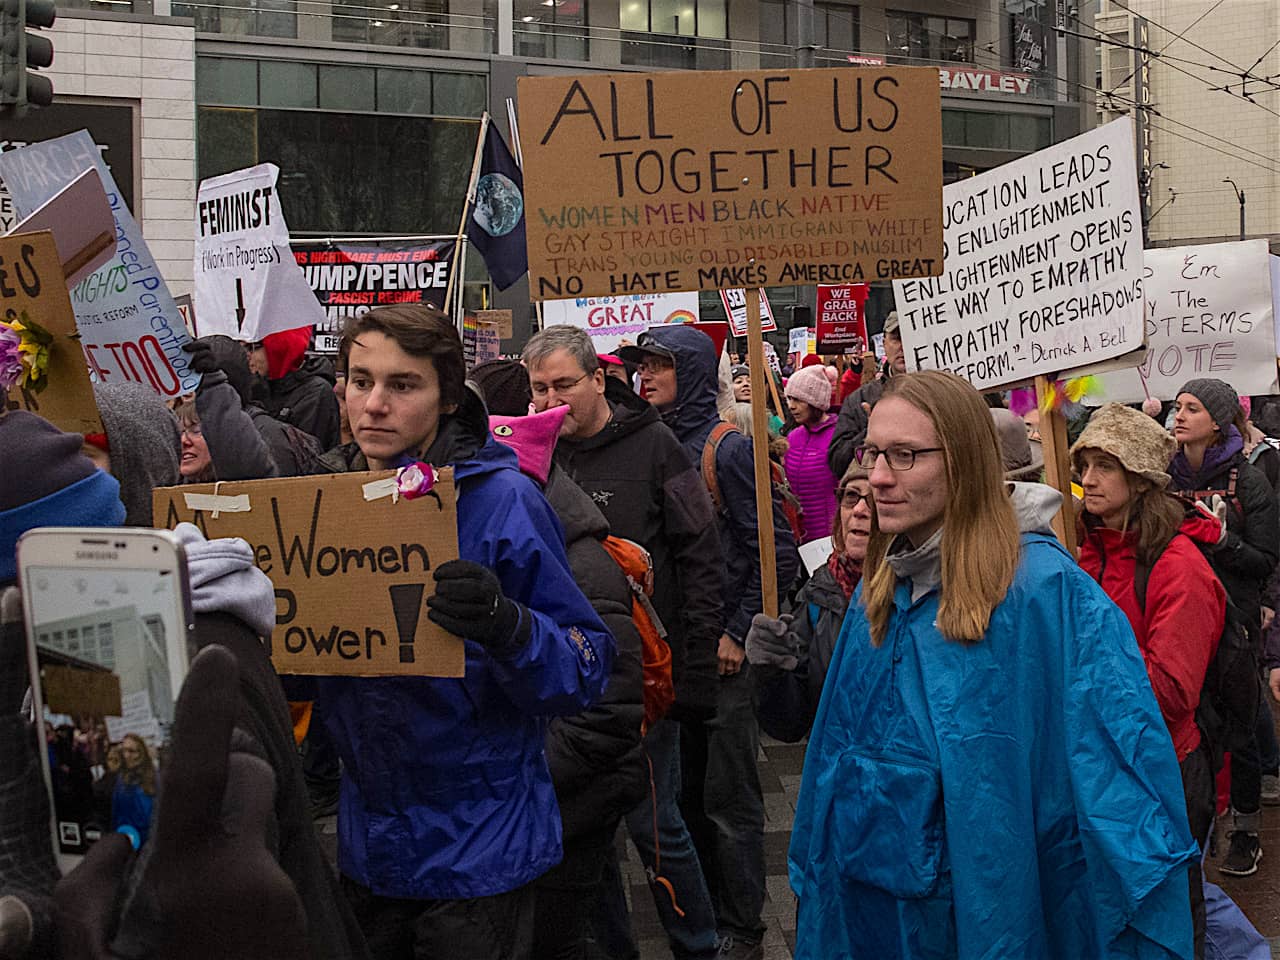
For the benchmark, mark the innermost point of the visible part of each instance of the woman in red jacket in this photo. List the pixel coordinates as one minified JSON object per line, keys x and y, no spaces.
{"x":1129,"y":520}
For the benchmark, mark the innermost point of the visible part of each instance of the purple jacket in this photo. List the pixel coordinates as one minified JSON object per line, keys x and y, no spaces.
{"x":811,"y":479}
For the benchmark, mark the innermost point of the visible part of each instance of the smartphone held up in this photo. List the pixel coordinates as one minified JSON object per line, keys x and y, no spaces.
{"x":108,"y":616}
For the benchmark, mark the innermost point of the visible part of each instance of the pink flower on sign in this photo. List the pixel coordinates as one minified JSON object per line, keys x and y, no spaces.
{"x":10,"y":357}
{"x":415,"y":480}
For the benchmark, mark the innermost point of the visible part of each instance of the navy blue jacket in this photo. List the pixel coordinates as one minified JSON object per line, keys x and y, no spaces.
{"x":446,"y":792}
{"x":693,"y":416}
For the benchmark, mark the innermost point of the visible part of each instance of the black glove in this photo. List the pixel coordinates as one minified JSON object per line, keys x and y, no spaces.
{"x":209,"y":885}
{"x":468,"y":602}
{"x":204,"y":363}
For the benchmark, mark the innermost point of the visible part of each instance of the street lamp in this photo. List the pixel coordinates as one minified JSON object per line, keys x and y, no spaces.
{"x":1240,"y":197}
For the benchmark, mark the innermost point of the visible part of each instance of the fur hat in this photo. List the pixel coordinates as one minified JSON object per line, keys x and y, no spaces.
{"x":1140,"y":444}
{"x":1217,"y":396}
{"x":891,"y":322}
{"x":810,"y":386}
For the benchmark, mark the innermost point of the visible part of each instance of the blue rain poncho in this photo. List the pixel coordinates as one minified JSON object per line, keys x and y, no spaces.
{"x":1014,"y":798}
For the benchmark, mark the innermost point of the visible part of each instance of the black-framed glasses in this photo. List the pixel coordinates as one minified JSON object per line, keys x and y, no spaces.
{"x":850,"y":497}
{"x":559,"y":386}
{"x":898,"y":458}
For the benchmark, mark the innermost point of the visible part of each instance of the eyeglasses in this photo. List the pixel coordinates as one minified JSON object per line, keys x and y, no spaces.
{"x":193,"y":430}
{"x":898,"y":458}
{"x":559,"y":386}
{"x":850,"y":497}
{"x":656,"y":363}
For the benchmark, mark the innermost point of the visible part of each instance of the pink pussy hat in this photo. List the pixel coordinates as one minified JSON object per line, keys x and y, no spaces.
{"x":533,"y":438}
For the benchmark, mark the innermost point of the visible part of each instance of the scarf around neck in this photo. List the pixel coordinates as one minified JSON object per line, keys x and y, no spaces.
{"x":847,"y":572}
{"x":1215,"y":457}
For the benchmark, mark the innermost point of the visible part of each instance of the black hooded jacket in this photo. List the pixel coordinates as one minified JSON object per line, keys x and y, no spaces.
{"x":304,"y":398}
{"x":645,"y":485}
{"x":292,"y":450}
{"x":594,"y":756}
{"x":692,"y":417}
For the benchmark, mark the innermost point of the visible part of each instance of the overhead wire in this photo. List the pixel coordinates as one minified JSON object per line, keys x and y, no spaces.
{"x":1162,"y":49}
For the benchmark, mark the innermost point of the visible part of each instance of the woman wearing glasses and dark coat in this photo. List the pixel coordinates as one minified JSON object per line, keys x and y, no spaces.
{"x":789,"y":656}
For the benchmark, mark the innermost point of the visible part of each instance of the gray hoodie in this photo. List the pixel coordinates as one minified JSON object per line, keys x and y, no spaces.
{"x":145,"y":443}
{"x":224,"y":579}
{"x":1034,"y":504}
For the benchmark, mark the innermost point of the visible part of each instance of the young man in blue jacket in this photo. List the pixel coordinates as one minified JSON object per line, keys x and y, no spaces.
{"x":723,"y":802}
{"x":447,"y":807}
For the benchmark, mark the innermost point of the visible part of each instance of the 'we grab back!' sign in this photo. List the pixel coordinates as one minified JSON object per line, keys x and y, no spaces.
{"x":351,"y":575}
{"x":712,"y":180}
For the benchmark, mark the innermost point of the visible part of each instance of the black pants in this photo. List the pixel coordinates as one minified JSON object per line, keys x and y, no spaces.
{"x":483,"y":928}
{"x":1201,"y":794}
{"x":565,"y":898}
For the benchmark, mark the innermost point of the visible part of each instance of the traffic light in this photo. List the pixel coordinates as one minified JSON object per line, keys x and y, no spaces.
{"x":20,"y":52}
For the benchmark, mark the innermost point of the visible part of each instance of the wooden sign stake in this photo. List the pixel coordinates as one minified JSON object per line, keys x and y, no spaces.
{"x":773,"y":391}
{"x":760,"y":445}
{"x":1057,"y":466}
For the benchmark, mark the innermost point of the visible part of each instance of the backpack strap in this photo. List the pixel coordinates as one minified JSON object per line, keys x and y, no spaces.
{"x":1142,"y":575}
{"x":718,"y":433}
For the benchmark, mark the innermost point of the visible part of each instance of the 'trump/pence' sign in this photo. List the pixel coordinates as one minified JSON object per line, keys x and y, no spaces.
{"x":709,"y":180}
{"x":352,"y":575}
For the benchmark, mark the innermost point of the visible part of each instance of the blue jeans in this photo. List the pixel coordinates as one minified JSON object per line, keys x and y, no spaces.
{"x":724,"y":806}
{"x":692,"y":936}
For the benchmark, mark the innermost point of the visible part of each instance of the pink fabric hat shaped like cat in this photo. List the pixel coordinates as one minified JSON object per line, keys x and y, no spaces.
{"x":533,"y":438}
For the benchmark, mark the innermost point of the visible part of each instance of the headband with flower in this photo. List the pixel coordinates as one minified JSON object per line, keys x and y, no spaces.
{"x":24,"y":354}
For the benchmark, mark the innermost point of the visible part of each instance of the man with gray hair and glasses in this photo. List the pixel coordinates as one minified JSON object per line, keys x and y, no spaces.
{"x":616,"y":447}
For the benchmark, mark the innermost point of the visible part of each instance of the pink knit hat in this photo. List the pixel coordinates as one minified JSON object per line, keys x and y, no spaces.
{"x":533,"y":438}
{"x":810,"y":385}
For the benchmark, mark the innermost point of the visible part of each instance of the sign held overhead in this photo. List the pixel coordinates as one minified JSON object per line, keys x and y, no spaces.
{"x":1043,"y":266}
{"x":1209,"y":314}
{"x":713,"y":179}
{"x":247,"y":283}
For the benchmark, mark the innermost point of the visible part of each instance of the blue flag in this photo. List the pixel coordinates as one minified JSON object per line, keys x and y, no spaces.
{"x":495,"y":225}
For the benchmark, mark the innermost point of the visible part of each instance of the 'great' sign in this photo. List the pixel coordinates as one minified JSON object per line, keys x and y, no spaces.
{"x":719,"y":179}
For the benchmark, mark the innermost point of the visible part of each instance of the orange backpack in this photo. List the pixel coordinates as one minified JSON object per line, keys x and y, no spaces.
{"x":659,"y":692}
{"x":790,"y":503}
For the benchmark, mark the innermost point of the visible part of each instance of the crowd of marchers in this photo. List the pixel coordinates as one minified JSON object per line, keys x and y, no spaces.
{"x":1013,"y":751}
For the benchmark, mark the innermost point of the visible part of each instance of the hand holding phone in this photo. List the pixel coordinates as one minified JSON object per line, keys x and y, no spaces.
{"x":108,"y":614}
{"x":210,"y":887}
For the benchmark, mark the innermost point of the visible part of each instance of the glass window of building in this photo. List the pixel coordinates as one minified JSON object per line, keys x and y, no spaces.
{"x":773,"y":21}
{"x":361,"y":150}
{"x":835,"y":26}
{"x":550,"y":28}
{"x":680,"y":18}
{"x":285,"y":84}
{"x":226,"y":80}
{"x":1119,"y":60}
{"x":918,"y":36}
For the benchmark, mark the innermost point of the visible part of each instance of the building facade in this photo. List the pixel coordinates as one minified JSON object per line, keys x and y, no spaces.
{"x":1206,"y":115}
{"x":371,"y":107}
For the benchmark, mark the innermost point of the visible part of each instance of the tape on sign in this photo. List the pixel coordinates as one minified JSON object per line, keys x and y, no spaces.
{"x":386,"y":487}
{"x":215,"y":503}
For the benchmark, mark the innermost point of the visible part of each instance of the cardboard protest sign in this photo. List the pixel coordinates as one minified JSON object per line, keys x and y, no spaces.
{"x":352,"y":575}
{"x":1043,"y":266}
{"x":500,"y":319}
{"x":842,"y":318}
{"x":610,"y":320}
{"x":350,"y":278}
{"x":32,"y":288}
{"x":703,"y":180}
{"x":79,"y":217}
{"x":129,"y":326}
{"x":247,"y":284}
{"x":1209,"y":314}
{"x":735,"y":308}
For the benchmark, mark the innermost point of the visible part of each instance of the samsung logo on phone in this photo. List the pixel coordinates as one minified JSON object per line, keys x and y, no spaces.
{"x":97,"y":555}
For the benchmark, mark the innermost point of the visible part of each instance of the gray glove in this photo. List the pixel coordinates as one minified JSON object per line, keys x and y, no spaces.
{"x":772,"y":643}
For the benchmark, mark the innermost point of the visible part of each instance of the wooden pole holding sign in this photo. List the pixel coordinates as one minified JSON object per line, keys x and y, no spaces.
{"x":760,"y":446}
{"x":1057,"y":466}
{"x":773,"y":387}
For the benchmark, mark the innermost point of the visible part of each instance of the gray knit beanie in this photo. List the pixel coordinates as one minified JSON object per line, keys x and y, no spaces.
{"x":1218,"y":397}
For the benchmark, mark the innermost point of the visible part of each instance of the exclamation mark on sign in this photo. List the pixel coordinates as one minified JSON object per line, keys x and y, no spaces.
{"x":406,"y":603}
